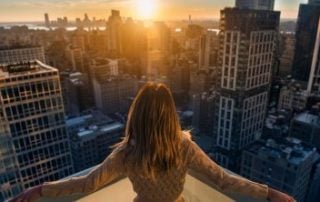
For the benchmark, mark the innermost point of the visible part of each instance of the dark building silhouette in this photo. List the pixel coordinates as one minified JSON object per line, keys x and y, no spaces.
{"x":46,"y":20}
{"x":306,"y":32}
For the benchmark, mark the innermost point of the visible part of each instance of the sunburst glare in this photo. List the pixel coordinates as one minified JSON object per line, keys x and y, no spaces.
{"x":146,"y":8}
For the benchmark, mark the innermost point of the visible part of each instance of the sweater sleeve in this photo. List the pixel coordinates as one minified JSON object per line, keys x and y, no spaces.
{"x":200,"y":162}
{"x":109,"y":170}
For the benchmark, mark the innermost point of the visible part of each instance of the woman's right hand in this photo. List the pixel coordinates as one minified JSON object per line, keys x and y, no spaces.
{"x":277,"y":196}
{"x":29,"y":195}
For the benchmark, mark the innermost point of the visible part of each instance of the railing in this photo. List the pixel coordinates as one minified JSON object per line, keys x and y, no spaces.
{"x":197,"y":189}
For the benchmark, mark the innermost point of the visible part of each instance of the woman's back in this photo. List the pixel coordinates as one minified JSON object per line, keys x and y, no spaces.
{"x":168,"y":186}
{"x":165,"y":186}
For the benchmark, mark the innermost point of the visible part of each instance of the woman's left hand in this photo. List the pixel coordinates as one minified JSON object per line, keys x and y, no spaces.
{"x":277,"y":196}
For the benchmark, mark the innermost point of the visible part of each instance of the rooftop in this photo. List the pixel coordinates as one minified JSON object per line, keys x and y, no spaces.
{"x":289,"y":150}
{"x":197,"y":188}
{"x":95,"y":130}
{"x":24,"y":68}
{"x":19,"y":47}
{"x":92,"y":116}
{"x":103,"y":61}
{"x":308,"y":118}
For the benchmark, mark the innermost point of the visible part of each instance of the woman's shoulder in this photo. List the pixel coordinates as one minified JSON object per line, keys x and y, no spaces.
{"x":187,"y":141}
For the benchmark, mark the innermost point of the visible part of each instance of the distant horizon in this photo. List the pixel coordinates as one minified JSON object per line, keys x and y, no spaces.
{"x":172,"y":20}
{"x":156,"y":10}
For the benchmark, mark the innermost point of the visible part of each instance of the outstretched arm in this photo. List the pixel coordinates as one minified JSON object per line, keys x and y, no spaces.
{"x":110,"y":169}
{"x":200,"y":162}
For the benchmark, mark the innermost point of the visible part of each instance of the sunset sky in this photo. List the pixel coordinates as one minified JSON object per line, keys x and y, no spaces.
{"x":33,"y":10}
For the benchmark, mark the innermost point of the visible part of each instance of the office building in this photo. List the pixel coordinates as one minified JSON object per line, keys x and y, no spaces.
{"x":246,"y":57}
{"x":203,"y":111}
{"x":92,"y":136}
{"x":114,"y":94}
{"x":114,"y":27}
{"x":306,"y":32}
{"x":21,"y":54}
{"x":306,"y":126}
{"x":76,"y":92}
{"x":209,"y":48}
{"x":46,"y":20}
{"x":314,"y":79}
{"x":285,"y":164}
{"x":292,"y":97}
{"x":286,"y":44}
{"x":103,"y":68}
{"x":34,"y":143}
{"x":255,"y":4}
{"x":75,"y":57}
{"x":180,"y":77}
{"x":200,"y":81}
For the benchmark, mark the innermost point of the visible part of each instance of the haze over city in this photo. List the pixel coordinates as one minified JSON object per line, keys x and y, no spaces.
{"x":32,"y":10}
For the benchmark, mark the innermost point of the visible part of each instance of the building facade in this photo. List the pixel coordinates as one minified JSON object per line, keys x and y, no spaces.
{"x":34,"y":142}
{"x":306,"y":126}
{"x":77,"y":93}
{"x":255,"y":4}
{"x":247,"y":41}
{"x":314,"y":79}
{"x":21,"y":54}
{"x":114,"y":27}
{"x":92,"y":136}
{"x":292,"y":97}
{"x":203,"y":110}
{"x":114,"y":94}
{"x":209,"y":48}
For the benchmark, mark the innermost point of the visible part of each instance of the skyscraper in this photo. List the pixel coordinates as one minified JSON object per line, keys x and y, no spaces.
{"x":33,"y":141}
{"x":114,"y":33}
{"x":314,"y":79}
{"x":255,"y":4}
{"x":208,"y":54}
{"x":246,"y":57}
{"x":307,"y":27}
{"x":46,"y":20}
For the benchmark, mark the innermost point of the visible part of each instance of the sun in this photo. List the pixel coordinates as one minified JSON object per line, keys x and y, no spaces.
{"x":145,"y":8}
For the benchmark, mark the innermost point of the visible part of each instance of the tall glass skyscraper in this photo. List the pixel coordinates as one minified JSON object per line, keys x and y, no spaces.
{"x":305,"y":39}
{"x":34,"y":146}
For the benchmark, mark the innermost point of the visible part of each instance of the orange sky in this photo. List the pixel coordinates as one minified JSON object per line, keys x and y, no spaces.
{"x":33,"y":10}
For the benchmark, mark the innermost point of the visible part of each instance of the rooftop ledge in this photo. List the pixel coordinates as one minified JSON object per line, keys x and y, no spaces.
{"x":197,"y":189}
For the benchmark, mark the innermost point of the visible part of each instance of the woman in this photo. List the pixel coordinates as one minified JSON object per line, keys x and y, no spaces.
{"x":155,"y":155}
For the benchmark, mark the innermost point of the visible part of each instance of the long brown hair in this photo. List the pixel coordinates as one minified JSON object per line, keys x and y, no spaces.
{"x":153,"y":132}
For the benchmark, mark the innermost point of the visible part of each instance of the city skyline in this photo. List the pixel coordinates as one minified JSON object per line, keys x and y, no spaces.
{"x":32,"y":10}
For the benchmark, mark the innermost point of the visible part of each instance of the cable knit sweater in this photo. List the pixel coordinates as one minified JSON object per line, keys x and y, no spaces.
{"x":167,"y":187}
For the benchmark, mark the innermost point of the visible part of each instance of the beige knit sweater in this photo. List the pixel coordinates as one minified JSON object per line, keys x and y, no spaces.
{"x":167,"y":187}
